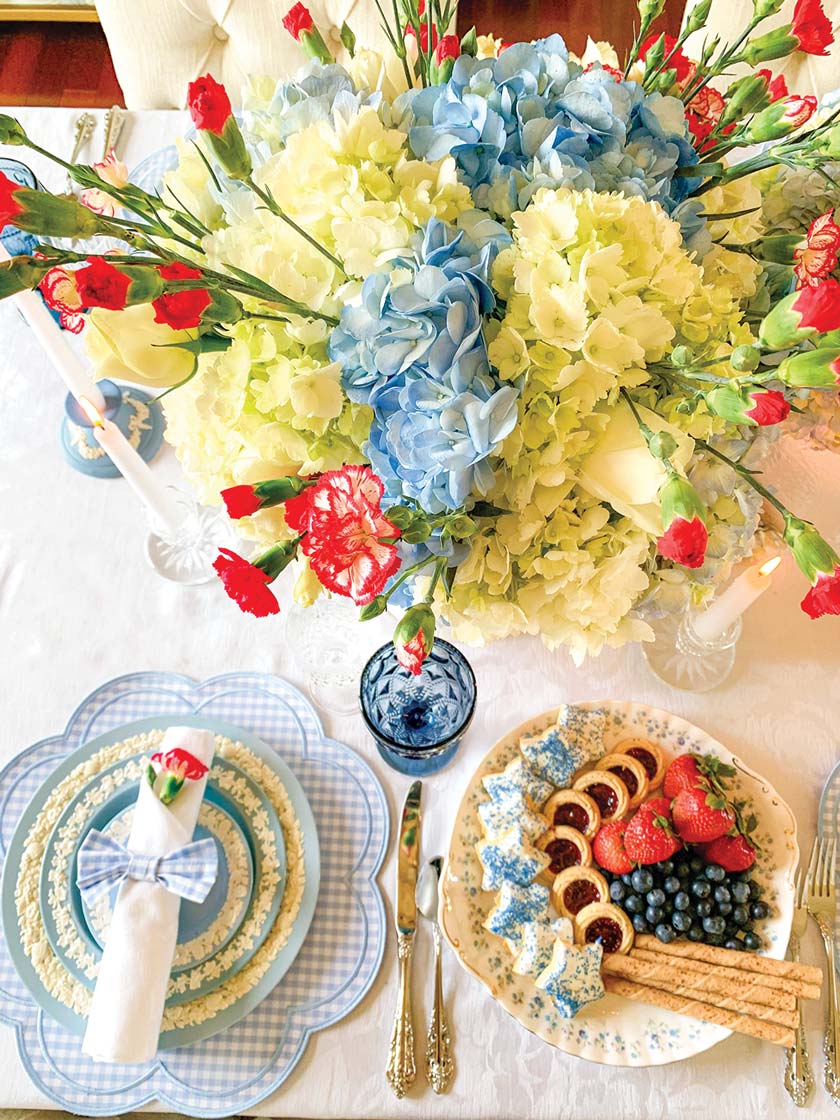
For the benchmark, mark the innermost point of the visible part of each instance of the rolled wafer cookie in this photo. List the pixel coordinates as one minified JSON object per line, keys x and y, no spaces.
{"x":735,"y":975}
{"x":666,"y":978}
{"x":743,"y":1024}
{"x":751,"y":962}
{"x":774,"y":991}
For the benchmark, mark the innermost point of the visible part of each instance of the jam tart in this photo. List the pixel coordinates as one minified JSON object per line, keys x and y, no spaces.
{"x":648,"y":754}
{"x":606,"y":923}
{"x":608,"y":792}
{"x":577,"y":888}
{"x":631,"y":771}
{"x":565,"y":847}
{"x":575,"y":809}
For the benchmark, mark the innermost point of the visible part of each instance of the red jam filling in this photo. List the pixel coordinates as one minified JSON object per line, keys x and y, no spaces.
{"x":627,"y":776}
{"x":645,"y":757}
{"x":605,"y":798}
{"x":580,"y":894}
{"x":563,"y":853}
{"x":607,"y":931}
{"x":572,"y":815}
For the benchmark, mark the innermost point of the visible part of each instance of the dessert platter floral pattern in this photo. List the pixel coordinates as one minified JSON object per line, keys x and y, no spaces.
{"x":612,"y":1031}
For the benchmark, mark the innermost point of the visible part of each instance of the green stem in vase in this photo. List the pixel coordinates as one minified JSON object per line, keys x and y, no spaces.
{"x":748,"y":475}
{"x":271,"y":204}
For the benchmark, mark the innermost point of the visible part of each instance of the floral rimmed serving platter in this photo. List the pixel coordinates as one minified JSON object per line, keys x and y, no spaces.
{"x":613,"y":1031}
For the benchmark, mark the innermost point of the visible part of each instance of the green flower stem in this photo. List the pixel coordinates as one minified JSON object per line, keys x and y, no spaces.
{"x":643,"y":427}
{"x":407,"y":572}
{"x":748,"y":475}
{"x":650,"y":78}
{"x":725,"y":58}
{"x":439,"y":569}
{"x":271,"y":204}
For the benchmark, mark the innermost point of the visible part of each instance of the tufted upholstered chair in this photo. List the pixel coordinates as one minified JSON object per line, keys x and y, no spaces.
{"x":158,"y":46}
{"x":804,"y":73}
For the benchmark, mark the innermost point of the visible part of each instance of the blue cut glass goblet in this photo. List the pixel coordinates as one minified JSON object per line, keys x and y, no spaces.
{"x":417,"y":722}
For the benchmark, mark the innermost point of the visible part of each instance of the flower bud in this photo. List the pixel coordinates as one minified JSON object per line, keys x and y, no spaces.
{"x":698,"y":16}
{"x":21,"y":274}
{"x":212,"y":115}
{"x":662,"y":445}
{"x":682,"y":357}
{"x":684,"y":521}
{"x":775,"y":44}
{"x":779,"y":247}
{"x":780,"y":119}
{"x":44,"y":214}
{"x":245,"y":500}
{"x":744,"y":359}
{"x":820,"y":565}
{"x":373,"y":609}
{"x":300,"y":25}
{"x":443,"y":59}
{"x":12,"y":131}
{"x":649,"y":10}
{"x":759,"y":407}
{"x":277,"y":558}
{"x":814,"y":369}
{"x":764,"y":8}
{"x":414,"y":637}
{"x":348,"y":39}
{"x":744,"y":96}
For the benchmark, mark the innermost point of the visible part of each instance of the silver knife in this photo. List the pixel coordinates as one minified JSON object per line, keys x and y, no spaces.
{"x":401,"y":1069}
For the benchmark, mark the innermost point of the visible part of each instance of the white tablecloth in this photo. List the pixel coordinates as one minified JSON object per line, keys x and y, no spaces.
{"x":79,"y":605}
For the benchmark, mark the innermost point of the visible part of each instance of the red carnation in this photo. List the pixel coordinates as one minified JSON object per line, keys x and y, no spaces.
{"x":414,"y":637}
{"x":819,"y":307}
{"x":246,"y":584}
{"x":178,"y":271}
{"x":347,"y":539}
{"x":824,"y":596}
{"x":678,"y":61}
{"x":182,"y":311}
{"x":448,"y":47}
{"x":684,"y":542}
{"x":100,"y":284}
{"x":9,"y":205}
{"x":776,"y":87}
{"x":822,"y":246}
{"x":180,"y":763}
{"x":209,"y":104}
{"x":812,"y":27}
{"x":297,"y":19}
{"x":424,"y":28}
{"x":771,"y":407}
{"x":62,"y":296}
{"x":703,"y":113}
{"x":241,"y":501}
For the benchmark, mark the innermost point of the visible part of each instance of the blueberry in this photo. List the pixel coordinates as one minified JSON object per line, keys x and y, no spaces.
{"x":682,"y":921}
{"x":634,"y":904}
{"x":733,"y":943}
{"x":740,"y":915}
{"x":695,"y":933}
{"x":665,"y":933}
{"x":715,"y":939}
{"x":752,"y":942}
{"x":700,"y":888}
{"x":654,"y":915}
{"x":656,"y":897}
{"x":667,"y":867}
{"x":672,"y":885}
{"x":696,"y":864}
{"x":640,"y":924}
{"x":682,"y":870}
{"x":627,"y":878}
{"x":714,"y":925}
{"x":642,"y":880}
{"x":759,"y":910}
{"x":722,"y":894}
{"x":617,"y":890}
{"x":703,"y":908}
{"x":724,"y":909}
{"x":740,"y":891}
{"x":755,"y":890}
{"x":715,"y":873}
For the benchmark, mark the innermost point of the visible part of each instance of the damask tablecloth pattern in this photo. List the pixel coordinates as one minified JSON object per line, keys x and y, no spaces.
{"x":79,"y":605}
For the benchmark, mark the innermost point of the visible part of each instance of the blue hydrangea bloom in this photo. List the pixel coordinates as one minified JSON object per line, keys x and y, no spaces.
{"x":414,"y":350}
{"x":316,"y":93}
{"x":533,"y":118}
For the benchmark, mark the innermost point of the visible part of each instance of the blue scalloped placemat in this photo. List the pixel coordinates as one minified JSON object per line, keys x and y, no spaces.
{"x":340,"y":958}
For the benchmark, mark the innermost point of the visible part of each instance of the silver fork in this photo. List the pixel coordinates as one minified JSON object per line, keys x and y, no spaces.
{"x":799,"y":1080}
{"x":85,"y":124}
{"x":822,"y":906}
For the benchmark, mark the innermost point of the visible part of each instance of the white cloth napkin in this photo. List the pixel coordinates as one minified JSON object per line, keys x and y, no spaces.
{"x":127,"y":1008}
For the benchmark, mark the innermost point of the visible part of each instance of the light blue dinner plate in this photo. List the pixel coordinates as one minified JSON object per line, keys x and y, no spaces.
{"x":194,"y":918}
{"x":281,"y":963}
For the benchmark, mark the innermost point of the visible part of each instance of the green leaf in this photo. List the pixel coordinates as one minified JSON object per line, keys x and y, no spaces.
{"x":348,"y":39}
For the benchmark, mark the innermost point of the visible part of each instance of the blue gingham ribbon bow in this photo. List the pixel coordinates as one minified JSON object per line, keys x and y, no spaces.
{"x":102,"y":863}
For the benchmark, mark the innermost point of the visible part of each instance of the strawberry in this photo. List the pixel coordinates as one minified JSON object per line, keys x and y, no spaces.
{"x":732,"y":853}
{"x":649,"y":836}
{"x":700,"y":815}
{"x":608,"y":848}
{"x":690,"y":771}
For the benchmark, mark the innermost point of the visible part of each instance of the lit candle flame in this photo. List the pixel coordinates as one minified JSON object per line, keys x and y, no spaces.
{"x":769,"y":565}
{"x":92,"y":412}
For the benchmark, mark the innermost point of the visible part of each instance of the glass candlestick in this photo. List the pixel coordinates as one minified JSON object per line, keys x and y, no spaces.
{"x":185,"y":554}
{"x":681,"y":658}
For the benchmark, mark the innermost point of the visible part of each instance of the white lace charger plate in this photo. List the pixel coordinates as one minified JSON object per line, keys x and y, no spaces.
{"x":613,"y":1031}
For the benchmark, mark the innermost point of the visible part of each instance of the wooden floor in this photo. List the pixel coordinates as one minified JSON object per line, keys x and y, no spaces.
{"x":69,"y":63}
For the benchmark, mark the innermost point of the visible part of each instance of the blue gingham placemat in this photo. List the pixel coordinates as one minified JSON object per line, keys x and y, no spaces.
{"x":829,"y":828}
{"x":340,"y":957}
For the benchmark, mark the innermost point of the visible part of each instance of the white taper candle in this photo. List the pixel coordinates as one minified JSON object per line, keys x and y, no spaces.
{"x":68,"y":366}
{"x":740,"y":594}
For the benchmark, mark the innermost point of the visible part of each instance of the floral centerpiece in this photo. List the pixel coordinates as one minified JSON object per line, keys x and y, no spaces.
{"x":490,"y":328}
